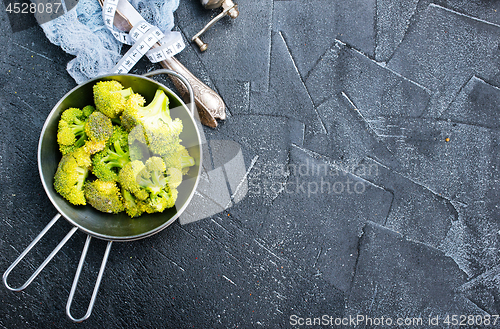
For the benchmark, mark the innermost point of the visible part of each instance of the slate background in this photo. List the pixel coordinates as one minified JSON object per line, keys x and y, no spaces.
{"x":408,"y":87}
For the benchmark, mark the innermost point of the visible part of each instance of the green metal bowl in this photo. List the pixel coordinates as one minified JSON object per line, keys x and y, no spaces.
{"x":117,"y":227}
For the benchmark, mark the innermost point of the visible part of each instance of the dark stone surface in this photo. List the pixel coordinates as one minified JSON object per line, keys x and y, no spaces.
{"x":355,"y":22}
{"x":476,"y":104}
{"x":349,"y":137}
{"x":318,"y":217}
{"x":390,"y":31}
{"x":416,"y":212}
{"x":454,"y":160}
{"x":397,"y":278}
{"x":473,"y":240}
{"x":443,"y":50}
{"x":343,"y":69}
{"x":365,"y":92}
{"x":309,"y":30}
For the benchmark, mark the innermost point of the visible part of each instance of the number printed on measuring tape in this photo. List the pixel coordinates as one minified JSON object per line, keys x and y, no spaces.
{"x":33,"y":8}
{"x":145,"y":39}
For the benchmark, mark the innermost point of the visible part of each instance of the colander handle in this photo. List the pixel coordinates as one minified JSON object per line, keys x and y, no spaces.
{"x":77,"y":277}
{"x":45,"y":262}
{"x":180,"y":77}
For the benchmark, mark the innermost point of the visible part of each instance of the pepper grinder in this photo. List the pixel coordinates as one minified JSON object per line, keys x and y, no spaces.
{"x":229,"y":8}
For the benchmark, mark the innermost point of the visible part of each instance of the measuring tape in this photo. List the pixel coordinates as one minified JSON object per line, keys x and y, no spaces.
{"x":143,"y":37}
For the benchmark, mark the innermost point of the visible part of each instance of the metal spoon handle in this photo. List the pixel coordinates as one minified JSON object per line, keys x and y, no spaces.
{"x":209,"y":103}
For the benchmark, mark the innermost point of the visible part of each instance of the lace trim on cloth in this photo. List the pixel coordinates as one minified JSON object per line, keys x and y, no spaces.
{"x":81,"y":32}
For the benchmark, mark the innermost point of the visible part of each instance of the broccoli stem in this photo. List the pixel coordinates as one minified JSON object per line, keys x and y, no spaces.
{"x":117,"y":158}
{"x":82,"y":176}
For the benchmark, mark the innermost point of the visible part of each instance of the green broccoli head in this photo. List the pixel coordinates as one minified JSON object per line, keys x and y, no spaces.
{"x":162,"y":133}
{"x":174,"y":177}
{"x":98,"y":127}
{"x":133,"y":206}
{"x":107,"y":163}
{"x":179,"y":159}
{"x":148,"y":186}
{"x":104,"y":196}
{"x":110,"y":97}
{"x":71,"y":130}
{"x":127,"y":177}
{"x":88,"y":110}
{"x":153,"y":178}
{"x":138,"y":147}
{"x":129,"y":118}
{"x":163,"y":200}
{"x":71,"y":174}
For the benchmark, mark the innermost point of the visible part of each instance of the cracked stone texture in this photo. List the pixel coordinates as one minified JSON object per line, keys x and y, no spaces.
{"x":330,"y":207}
{"x":404,"y":278}
{"x":294,"y":101}
{"x":342,"y":69}
{"x":454,"y":160}
{"x":473,"y":239}
{"x":307,"y":41}
{"x":349,"y":137}
{"x":443,"y":50}
{"x":412,"y":205}
{"x":355,"y":22}
{"x":476,"y":104}
{"x":390,"y":32}
{"x":266,"y":159}
{"x":334,"y":84}
{"x":483,"y":290}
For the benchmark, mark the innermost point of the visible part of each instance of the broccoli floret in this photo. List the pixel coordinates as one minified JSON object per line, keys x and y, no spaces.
{"x":108,"y":162}
{"x":148,"y":186}
{"x":162,"y":133}
{"x":71,"y":174}
{"x":98,"y":127}
{"x":163,"y":200}
{"x":104,"y":196}
{"x":180,"y":159}
{"x":110,"y":97}
{"x":138,"y":147}
{"x":88,"y":110}
{"x":128,"y":118}
{"x":174,"y":177}
{"x":127,"y":177}
{"x":71,"y":130}
{"x":153,"y":178}
{"x":133,"y":206}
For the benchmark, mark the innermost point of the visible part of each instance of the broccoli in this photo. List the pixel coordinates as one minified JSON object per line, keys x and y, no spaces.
{"x":162,"y":133}
{"x":174,"y":177}
{"x":108,"y":162}
{"x":71,"y":130}
{"x":104,"y":196}
{"x":88,"y":110}
{"x":133,"y":206}
{"x":71,"y":174}
{"x":137,"y":144}
{"x":153,"y":178}
{"x":98,"y":127}
{"x":127,"y":177}
{"x":133,"y":150}
{"x":128,"y":118}
{"x":180,"y":159}
{"x":110,"y":97}
{"x":148,"y":185}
